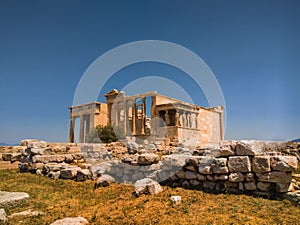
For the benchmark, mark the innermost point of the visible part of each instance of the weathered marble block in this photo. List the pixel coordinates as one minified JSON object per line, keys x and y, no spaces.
{"x":261,"y":164}
{"x":239,"y":164}
{"x":275,"y":177}
{"x":284,"y":163}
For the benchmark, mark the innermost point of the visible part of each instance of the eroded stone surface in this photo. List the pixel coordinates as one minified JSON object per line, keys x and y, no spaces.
{"x":147,"y":186}
{"x":261,"y":164}
{"x":13,"y":199}
{"x":71,"y":221}
{"x":284,"y":163}
{"x":239,"y":164}
{"x":275,"y":177}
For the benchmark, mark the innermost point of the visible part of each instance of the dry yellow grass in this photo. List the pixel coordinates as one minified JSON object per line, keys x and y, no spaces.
{"x":116,"y":204}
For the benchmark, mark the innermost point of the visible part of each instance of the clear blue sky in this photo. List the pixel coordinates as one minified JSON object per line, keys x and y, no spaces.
{"x":252,"y":47}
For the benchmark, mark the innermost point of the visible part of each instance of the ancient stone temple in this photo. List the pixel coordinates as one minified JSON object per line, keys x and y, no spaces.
{"x":153,"y":117}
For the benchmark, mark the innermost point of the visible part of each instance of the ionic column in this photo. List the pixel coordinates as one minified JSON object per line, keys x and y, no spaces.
{"x":81,"y":131}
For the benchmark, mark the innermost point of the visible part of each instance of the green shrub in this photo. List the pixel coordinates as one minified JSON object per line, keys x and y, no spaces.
{"x":104,"y":134}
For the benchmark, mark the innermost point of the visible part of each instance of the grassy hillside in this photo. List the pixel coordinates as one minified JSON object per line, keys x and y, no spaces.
{"x":116,"y":204}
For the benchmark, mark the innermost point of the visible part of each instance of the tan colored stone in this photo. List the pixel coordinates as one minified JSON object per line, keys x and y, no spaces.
{"x":284,"y":163}
{"x":236,"y":177}
{"x":275,"y":177}
{"x":261,"y":164}
{"x":239,"y":164}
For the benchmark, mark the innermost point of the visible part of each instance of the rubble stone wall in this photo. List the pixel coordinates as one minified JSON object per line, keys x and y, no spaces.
{"x":235,"y":166}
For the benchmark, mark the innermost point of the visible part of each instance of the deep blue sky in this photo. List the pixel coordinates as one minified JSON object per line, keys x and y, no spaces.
{"x":251,"y":46}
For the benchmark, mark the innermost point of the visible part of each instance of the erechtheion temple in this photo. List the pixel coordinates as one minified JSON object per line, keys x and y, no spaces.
{"x":151,"y":115}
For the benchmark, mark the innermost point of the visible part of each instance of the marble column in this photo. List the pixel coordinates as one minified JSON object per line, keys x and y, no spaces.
{"x":81,"y":130}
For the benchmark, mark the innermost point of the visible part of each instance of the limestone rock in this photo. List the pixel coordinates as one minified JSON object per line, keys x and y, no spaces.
{"x":15,"y":157}
{"x":227,"y":148}
{"x":250,"y":186}
{"x":38,"y":151}
{"x":132,"y":147}
{"x":236,"y":177}
{"x":249,"y":148}
{"x":6,"y":156}
{"x":205,"y":163}
{"x":13,"y":199}
{"x":104,"y":181}
{"x":54,"y":175}
{"x":3,"y":218}
{"x":275,"y":177}
{"x":219,"y":166}
{"x":82,"y":175}
{"x":284,"y":163}
{"x":36,"y":144}
{"x":71,"y":221}
{"x":70,"y":172}
{"x":239,"y":164}
{"x":28,"y":141}
{"x":147,"y":159}
{"x":54,"y":167}
{"x":189,"y":175}
{"x":261,"y":164}
{"x":174,"y":162}
{"x":147,"y":186}
{"x":263,"y":186}
{"x":176,"y":200}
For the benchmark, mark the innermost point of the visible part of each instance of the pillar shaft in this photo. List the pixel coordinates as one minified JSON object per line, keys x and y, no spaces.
{"x":81,"y":130}
{"x":71,"y":130}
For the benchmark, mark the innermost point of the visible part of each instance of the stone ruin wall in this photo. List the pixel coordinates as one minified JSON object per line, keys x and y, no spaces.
{"x":235,"y":166}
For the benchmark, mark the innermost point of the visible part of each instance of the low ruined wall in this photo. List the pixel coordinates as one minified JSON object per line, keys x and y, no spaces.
{"x":235,"y":166}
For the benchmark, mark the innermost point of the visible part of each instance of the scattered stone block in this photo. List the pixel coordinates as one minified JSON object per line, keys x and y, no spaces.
{"x":147,"y":186}
{"x":239,"y":164}
{"x":71,"y":221}
{"x":13,"y":199}
{"x":261,"y":164}
{"x":132,"y":147}
{"x":147,"y":159}
{"x":176,"y":200}
{"x":104,"y":181}
{"x":3,"y":217}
